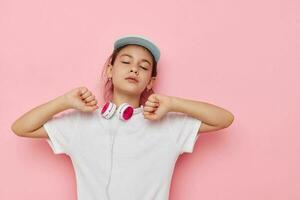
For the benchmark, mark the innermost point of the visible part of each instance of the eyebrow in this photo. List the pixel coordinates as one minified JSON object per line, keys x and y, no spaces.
{"x":125,"y":54}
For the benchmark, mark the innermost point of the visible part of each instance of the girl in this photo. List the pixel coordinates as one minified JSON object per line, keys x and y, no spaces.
{"x":127,"y":149}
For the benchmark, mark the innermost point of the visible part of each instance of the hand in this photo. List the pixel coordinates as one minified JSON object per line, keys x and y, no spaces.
{"x":81,"y":99}
{"x":157,"y":106}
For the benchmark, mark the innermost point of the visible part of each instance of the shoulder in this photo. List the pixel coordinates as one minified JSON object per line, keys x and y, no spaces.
{"x":170,"y":120}
{"x":75,"y":115}
{"x":175,"y":116}
{"x":178,"y":120}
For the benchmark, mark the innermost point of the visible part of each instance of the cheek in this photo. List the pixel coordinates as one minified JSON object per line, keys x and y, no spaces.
{"x":119,"y":70}
{"x":146,"y":80}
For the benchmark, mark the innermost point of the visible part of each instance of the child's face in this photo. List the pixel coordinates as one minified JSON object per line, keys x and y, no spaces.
{"x":136,"y":61}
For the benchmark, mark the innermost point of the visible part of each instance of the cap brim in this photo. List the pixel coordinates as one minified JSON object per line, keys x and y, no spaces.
{"x":139,"y":40}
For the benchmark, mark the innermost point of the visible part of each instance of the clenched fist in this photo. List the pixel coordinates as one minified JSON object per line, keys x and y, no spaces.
{"x":81,"y":99}
{"x":157,"y":106}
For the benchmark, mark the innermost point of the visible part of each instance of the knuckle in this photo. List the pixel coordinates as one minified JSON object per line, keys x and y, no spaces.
{"x":84,"y":88}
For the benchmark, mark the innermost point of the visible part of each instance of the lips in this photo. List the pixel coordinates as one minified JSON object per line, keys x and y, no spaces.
{"x":132,"y":78}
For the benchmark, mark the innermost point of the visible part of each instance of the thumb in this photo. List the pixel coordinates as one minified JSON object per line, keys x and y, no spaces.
{"x":156,"y":97}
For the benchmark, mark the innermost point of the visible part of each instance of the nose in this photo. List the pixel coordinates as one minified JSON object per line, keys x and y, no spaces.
{"x":134,"y":68}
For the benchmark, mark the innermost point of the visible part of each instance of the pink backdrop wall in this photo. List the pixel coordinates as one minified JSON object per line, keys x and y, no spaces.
{"x":240,"y":55}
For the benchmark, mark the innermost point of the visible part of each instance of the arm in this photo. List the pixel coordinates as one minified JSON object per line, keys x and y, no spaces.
{"x":32,"y":121}
{"x":212,"y":117}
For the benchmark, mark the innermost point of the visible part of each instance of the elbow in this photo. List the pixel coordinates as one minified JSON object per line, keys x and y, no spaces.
{"x":13,"y":128}
{"x":229,"y":121}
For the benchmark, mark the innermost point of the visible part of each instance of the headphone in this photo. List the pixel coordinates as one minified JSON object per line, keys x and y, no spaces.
{"x":125,"y":111}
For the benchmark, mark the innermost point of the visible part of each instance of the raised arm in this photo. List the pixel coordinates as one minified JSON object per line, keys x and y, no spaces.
{"x":31,"y":123}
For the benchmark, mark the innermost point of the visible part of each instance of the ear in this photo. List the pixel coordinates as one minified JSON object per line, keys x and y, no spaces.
{"x":109,"y":71}
{"x":151,"y":83}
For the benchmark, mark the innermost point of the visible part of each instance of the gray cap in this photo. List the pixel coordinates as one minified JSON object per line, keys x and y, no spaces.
{"x":139,"y":40}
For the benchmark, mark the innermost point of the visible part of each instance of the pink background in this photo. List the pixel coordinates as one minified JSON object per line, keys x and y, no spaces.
{"x":240,"y":55}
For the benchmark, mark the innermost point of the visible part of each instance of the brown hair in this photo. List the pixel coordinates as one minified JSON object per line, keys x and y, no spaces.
{"x":107,"y":87}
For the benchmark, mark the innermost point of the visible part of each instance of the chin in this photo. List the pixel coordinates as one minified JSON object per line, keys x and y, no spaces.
{"x":130,"y":90}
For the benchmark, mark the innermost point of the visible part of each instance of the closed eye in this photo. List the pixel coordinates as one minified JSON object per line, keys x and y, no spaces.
{"x":141,"y":66}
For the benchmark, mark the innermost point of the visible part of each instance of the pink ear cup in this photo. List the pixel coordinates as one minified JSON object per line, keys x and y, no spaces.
{"x":125,"y":111}
{"x":108,"y":110}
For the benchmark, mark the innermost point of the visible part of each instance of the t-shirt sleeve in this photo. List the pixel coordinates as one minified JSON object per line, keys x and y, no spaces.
{"x":185,"y":130}
{"x":61,"y":130}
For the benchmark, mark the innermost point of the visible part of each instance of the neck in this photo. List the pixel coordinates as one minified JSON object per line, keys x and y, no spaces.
{"x":119,"y":98}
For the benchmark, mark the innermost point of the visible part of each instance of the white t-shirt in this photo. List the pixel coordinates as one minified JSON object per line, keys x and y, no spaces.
{"x":115,"y":159}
